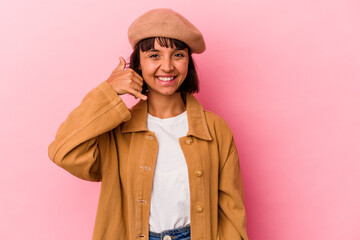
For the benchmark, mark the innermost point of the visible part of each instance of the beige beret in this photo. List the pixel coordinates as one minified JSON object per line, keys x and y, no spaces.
{"x":163,"y":22}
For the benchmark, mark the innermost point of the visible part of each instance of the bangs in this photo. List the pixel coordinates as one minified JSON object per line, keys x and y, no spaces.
{"x":149,"y":43}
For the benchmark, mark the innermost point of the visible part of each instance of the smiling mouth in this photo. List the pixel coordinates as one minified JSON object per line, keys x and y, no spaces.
{"x":166,"y":79}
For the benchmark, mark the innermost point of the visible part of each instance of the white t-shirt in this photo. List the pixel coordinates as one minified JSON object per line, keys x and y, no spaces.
{"x":170,"y":197}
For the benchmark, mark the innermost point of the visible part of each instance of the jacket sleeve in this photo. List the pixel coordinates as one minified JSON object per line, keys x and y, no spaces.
{"x":75,"y":147}
{"x":231,"y":216}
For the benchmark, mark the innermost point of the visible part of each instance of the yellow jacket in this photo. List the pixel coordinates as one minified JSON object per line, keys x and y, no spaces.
{"x":102,"y":140}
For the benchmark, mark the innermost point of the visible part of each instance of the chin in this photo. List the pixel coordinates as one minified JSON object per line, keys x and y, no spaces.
{"x":169,"y":93}
{"x":165,"y":93}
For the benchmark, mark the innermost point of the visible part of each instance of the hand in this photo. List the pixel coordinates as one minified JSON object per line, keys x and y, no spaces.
{"x":126,"y":81}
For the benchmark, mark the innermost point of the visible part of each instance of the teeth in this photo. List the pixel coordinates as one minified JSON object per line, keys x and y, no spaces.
{"x":165,"y":78}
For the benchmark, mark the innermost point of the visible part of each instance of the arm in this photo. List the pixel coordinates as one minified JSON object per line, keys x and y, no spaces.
{"x":75,"y":147}
{"x":231,"y":217}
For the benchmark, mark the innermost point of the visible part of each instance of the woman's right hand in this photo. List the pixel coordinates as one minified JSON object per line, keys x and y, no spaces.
{"x":126,"y":81}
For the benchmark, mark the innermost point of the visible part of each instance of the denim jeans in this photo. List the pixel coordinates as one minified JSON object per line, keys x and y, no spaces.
{"x":178,"y":234}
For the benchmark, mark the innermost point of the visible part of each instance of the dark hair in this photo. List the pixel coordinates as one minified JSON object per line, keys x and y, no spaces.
{"x":191,"y":82}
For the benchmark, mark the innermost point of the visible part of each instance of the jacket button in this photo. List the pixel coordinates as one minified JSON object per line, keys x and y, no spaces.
{"x":198,"y":173}
{"x":188,"y":141}
{"x":199,"y":208}
{"x":149,"y":137}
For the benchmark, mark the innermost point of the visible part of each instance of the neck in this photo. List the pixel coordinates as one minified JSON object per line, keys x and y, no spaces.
{"x":163,"y":106}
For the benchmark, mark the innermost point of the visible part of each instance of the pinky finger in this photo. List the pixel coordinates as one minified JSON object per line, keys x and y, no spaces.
{"x":138,"y":94}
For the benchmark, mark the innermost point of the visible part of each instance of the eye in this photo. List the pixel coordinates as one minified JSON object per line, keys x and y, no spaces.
{"x":153,"y":55}
{"x":179,"y":55}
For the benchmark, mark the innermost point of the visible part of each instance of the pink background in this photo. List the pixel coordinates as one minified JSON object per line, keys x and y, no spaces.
{"x":284,"y":74}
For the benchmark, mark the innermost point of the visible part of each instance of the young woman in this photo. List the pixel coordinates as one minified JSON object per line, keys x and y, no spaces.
{"x":166,"y":165}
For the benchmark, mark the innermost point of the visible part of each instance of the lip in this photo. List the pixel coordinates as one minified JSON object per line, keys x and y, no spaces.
{"x":166,"y":75}
{"x":166,"y":83}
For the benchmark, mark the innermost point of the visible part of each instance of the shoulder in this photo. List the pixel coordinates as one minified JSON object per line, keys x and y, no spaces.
{"x":218,"y":125}
{"x":221,"y":133}
{"x":215,"y":119}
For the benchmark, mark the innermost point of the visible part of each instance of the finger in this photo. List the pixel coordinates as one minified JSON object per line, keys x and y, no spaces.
{"x":137,"y":75}
{"x":137,"y":94}
{"x":136,"y":87}
{"x":137,"y":81}
{"x":122,"y":64}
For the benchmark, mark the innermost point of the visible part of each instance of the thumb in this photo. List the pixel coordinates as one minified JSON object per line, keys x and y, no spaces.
{"x":121,"y":65}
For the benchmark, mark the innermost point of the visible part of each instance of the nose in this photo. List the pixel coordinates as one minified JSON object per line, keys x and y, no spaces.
{"x":167,"y":65}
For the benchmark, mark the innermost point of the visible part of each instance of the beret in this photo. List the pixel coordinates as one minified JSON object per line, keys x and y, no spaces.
{"x":164,"y":22}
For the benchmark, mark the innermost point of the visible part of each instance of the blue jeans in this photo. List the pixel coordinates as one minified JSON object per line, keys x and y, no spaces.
{"x":178,"y":234}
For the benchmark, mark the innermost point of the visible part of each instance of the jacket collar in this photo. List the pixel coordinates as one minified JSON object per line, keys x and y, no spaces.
{"x":195,"y":112}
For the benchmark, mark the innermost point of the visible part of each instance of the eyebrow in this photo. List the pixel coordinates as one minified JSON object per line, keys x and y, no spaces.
{"x":155,"y":50}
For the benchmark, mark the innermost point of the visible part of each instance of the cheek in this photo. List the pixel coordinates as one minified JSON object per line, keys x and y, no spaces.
{"x":147,"y":67}
{"x":184,"y":68}
{"x":148,"y":71}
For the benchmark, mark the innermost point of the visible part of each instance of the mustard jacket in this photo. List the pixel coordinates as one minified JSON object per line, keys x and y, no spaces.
{"x":102,"y":140}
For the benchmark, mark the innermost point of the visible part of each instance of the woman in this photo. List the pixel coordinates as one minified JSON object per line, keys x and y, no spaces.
{"x":166,"y":165}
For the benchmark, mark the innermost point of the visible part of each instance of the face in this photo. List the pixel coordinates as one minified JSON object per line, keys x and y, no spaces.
{"x":164,"y":69}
